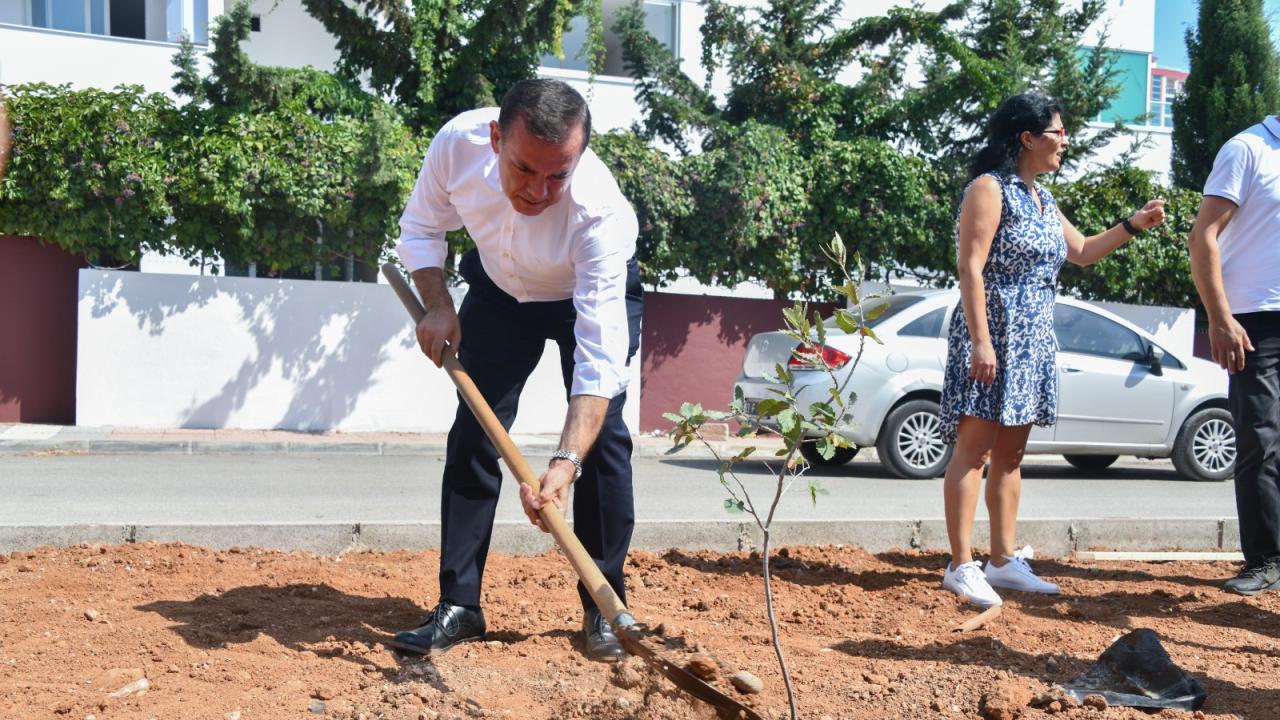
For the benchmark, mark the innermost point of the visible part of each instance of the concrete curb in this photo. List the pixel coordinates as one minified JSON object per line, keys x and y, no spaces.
{"x":1050,"y":537}
{"x":311,"y":447}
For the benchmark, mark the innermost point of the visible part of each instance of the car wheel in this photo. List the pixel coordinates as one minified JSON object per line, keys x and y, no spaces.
{"x":1092,"y":462}
{"x":841,"y":456}
{"x":1206,"y":446}
{"x":910,"y":444}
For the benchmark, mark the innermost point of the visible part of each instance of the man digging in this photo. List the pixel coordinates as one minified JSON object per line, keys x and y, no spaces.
{"x":553,"y":260}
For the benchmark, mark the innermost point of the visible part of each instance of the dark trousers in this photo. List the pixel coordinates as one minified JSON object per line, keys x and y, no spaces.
{"x":1255,"y":409}
{"x":502,"y":341}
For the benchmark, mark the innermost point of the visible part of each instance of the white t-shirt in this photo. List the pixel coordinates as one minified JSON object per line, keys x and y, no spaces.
{"x":577,"y":248}
{"x":1247,"y":172}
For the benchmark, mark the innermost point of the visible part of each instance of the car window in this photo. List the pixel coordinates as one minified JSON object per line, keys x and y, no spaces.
{"x":927,"y":325}
{"x":1080,"y":331}
{"x":895,"y":303}
{"x":1170,"y":360}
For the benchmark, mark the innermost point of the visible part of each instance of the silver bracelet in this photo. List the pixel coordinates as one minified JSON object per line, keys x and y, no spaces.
{"x":572,"y":457}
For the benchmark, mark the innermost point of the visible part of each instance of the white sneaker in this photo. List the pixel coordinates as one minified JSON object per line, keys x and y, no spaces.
{"x":1016,"y":574}
{"x":968,"y":581}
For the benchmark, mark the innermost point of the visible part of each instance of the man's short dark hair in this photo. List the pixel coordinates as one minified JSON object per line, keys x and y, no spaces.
{"x":551,"y":110}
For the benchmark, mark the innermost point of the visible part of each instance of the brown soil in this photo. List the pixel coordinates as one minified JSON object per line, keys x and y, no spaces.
{"x":259,"y":635}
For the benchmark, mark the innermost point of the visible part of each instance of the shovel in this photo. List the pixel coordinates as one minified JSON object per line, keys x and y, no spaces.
{"x":633,"y":635}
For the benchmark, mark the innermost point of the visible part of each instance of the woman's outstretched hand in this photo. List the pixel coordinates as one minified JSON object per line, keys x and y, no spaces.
{"x":1151,"y":215}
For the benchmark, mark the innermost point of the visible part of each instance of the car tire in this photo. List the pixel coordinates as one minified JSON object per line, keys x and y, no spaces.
{"x":841,"y":456}
{"x":1205,"y":450}
{"x":910,"y":444}
{"x":1092,"y":462}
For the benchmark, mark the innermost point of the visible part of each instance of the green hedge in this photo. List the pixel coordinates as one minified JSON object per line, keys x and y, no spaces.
{"x":110,"y":173}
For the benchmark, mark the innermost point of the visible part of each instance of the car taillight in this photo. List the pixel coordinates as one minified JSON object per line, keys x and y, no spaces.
{"x":803,"y":358}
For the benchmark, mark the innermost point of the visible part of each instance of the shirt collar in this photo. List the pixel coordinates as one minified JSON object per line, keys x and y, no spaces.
{"x":1272,"y":124}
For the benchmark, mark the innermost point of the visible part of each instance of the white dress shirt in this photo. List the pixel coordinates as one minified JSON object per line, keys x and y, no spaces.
{"x":1247,"y":172}
{"x":577,"y":248}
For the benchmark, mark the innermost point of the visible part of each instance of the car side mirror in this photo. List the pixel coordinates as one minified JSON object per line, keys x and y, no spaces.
{"x":1154,"y":357}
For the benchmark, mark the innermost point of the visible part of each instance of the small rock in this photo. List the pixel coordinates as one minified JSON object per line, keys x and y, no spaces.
{"x":173,"y":669}
{"x":137,"y":687}
{"x":628,"y":674}
{"x":875,"y":678}
{"x":1097,"y":702}
{"x":233,"y":715}
{"x":324,"y":692}
{"x":117,"y":677}
{"x":495,"y":644}
{"x":91,"y":615}
{"x":1005,"y":701}
{"x":746,"y":683}
{"x":703,"y":667}
{"x":316,"y":707}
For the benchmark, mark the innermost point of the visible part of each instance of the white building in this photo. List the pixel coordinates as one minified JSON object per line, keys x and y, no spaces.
{"x":103,"y":43}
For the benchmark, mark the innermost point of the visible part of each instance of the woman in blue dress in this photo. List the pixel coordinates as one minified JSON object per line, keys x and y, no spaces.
{"x":1001,"y":374}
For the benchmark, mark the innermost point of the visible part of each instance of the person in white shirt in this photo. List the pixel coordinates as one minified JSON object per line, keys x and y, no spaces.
{"x":553,"y":260}
{"x":1235,"y":261}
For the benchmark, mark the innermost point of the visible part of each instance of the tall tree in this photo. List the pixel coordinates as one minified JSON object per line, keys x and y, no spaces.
{"x":436,"y":58}
{"x":1234,"y":81}
{"x":790,"y":152}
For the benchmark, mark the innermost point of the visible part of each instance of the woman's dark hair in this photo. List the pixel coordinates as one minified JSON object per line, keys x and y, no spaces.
{"x":1029,"y":112}
{"x":551,"y":109}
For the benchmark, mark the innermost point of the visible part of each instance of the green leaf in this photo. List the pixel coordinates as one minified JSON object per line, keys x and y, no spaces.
{"x":745,"y":453}
{"x":788,"y":421}
{"x":875,"y":311}
{"x":846,"y":322}
{"x":770,"y":407}
{"x":673,"y":417}
{"x":734,"y":506}
{"x":816,"y":489}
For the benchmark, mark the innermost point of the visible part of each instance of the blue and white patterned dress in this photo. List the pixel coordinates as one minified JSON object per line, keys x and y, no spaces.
{"x":1020,"y":276}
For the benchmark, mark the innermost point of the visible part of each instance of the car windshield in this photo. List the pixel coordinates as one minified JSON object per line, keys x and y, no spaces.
{"x":895,"y":304}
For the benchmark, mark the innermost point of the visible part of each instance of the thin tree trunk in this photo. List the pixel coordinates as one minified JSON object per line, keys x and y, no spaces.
{"x":773,"y":628}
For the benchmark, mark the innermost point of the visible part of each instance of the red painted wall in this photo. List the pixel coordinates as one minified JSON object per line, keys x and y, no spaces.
{"x":38,"y":295}
{"x":692,"y":347}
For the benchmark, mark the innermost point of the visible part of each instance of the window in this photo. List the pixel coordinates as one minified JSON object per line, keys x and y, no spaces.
{"x":894,"y":304}
{"x":1080,"y":331}
{"x":1156,"y":95}
{"x":927,"y":325}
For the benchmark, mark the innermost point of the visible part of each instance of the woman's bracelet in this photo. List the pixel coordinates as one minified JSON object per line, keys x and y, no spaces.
{"x":1129,"y":228}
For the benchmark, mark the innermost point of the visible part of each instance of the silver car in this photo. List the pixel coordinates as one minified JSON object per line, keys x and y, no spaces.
{"x":1120,"y":393}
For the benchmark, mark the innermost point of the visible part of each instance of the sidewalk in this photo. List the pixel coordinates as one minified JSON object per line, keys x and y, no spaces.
{"x":30,"y":438}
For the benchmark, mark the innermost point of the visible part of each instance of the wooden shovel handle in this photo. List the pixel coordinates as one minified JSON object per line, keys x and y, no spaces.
{"x":601,"y":592}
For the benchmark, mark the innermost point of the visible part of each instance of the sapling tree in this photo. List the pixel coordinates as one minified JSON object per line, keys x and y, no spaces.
{"x":786,"y":417}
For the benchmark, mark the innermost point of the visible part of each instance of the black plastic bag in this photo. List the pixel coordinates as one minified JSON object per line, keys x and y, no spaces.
{"x":1137,"y":672}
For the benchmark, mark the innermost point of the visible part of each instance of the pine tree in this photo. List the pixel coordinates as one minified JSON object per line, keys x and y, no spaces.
{"x":1233,"y":83}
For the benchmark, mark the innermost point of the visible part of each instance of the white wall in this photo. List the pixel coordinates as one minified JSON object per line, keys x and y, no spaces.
{"x":289,"y":37}
{"x":1129,"y":25}
{"x":215,"y":352}
{"x":1155,"y":153}
{"x":37,"y":55}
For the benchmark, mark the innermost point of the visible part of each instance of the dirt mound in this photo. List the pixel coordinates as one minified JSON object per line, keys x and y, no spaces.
{"x":249,"y":634}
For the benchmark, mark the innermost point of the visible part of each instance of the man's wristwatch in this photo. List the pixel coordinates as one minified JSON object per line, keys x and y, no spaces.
{"x":1129,"y":227}
{"x":572,"y":457}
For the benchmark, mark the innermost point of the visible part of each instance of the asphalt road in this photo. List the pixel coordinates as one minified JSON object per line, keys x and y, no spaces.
{"x":173,"y":489}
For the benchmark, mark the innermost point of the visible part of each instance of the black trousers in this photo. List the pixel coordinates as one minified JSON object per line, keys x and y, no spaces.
{"x":1254,"y":398}
{"x":502,"y":341}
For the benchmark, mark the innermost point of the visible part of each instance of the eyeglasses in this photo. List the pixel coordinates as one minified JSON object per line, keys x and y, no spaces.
{"x":1061,"y":132}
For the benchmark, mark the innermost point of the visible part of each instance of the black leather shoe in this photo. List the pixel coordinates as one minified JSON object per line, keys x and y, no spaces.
{"x":447,"y":625}
{"x":1256,"y":579}
{"x":602,"y":644}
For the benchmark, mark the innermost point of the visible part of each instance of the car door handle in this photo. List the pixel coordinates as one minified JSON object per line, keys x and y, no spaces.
{"x":1070,"y":369}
